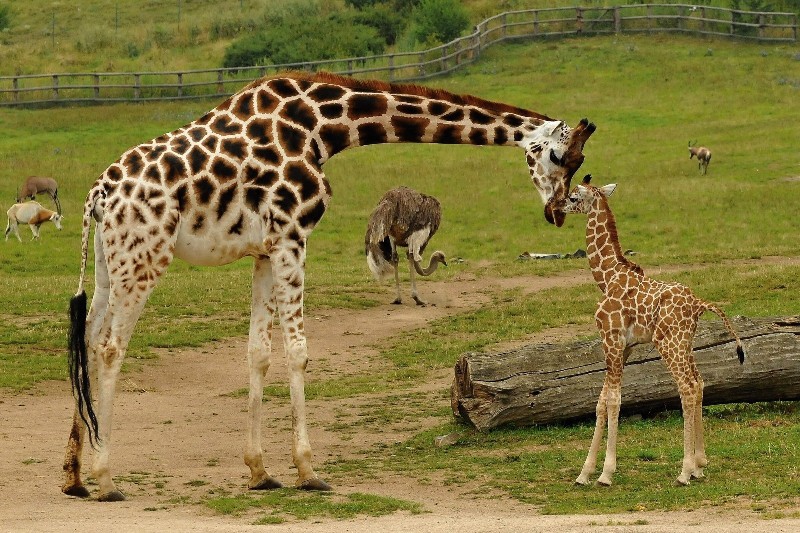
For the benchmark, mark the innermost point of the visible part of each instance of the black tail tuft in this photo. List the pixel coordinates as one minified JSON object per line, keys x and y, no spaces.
{"x":740,"y":353}
{"x":79,"y":364}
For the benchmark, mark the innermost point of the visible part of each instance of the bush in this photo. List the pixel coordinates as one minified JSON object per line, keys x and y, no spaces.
{"x":5,"y":17}
{"x":302,"y":31}
{"x":439,"y":20}
{"x":386,"y":20}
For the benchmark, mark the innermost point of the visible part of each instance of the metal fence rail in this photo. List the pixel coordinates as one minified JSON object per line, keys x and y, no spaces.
{"x":104,"y":87}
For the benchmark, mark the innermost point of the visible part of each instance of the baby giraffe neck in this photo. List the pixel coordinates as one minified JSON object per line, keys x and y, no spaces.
{"x":602,"y":244}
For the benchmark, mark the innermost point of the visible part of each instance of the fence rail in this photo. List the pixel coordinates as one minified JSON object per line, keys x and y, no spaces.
{"x":103,"y":87}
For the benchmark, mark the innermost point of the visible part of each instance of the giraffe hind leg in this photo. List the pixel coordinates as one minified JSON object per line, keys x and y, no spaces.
{"x":259,"y":347}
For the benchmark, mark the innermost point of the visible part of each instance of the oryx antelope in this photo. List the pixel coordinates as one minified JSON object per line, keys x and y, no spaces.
{"x":34,"y":185}
{"x":703,"y":156}
{"x":32,"y":214}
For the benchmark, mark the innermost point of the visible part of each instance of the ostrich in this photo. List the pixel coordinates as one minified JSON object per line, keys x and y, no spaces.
{"x":34,"y":185}
{"x":405,"y":218}
{"x":703,"y":156}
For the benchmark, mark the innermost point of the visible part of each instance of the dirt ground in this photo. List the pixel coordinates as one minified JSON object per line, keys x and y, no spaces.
{"x":178,"y":431}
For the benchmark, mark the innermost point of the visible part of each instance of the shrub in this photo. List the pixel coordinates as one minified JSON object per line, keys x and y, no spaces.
{"x":439,"y":20}
{"x":5,"y":17}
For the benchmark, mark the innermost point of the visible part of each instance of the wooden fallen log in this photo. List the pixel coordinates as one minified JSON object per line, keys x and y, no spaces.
{"x":553,"y":383}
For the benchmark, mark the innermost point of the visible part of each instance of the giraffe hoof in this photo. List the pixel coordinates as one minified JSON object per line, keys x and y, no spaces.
{"x":267,"y":483}
{"x":681,"y":483}
{"x":113,"y":496}
{"x":398,"y":301}
{"x":314,"y":484}
{"x":79,"y":491}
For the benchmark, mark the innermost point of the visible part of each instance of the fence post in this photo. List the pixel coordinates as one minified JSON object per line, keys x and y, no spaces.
{"x":421,"y":64}
{"x":220,"y":85}
{"x":617,"y":20}
{"x":391,"y":67}
{"x":578,"y":20}
{"x":97,"y":86}
{"x":55,"y":86}
{"x":703,"y":18}
{"x":137,"y":86}
{"x":443,"y":61}
{"x":180,"y":84}
{"x":15,"y":86}
{"x":794,"y":27}
{"x":535,"y":23}
{"x":761,"y":23}
{"x":505,"y":25}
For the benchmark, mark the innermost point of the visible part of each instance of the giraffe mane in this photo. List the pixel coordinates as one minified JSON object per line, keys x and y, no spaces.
{"x":407,"y":89}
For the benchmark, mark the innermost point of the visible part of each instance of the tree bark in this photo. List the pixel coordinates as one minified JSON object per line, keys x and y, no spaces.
{"x":553,"y":383}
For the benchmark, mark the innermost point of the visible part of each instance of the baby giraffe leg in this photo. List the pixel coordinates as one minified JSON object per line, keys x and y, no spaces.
{"x":600,"y":425}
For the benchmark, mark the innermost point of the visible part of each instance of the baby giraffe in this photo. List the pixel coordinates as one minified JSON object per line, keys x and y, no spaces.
{"x":637,"y":309}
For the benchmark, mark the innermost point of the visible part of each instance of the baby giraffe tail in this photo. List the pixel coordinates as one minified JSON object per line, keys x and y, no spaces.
{"x":714,"y":309}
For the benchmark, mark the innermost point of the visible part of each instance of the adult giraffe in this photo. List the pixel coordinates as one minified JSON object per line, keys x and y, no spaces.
{"x":246,"y":180}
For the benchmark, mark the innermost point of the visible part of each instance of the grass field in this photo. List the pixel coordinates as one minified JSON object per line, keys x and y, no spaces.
{"x":648,"y":95}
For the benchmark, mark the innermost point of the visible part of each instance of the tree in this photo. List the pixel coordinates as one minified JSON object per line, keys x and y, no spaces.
{"x":439,"y":20}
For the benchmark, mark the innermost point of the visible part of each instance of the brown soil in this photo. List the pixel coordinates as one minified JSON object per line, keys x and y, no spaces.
{"x":179,"y":432}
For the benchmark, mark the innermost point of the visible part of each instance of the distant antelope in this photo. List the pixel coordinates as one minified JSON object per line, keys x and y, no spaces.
{"x":34,"y":185}
{"x":405,"y":218}
{"x":703,"y":156}
{"x":32,"y":214}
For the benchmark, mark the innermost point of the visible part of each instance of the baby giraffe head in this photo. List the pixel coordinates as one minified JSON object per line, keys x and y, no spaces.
{"x":583,"y":196}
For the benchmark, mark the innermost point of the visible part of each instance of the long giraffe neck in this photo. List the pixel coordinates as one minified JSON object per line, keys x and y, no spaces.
{"x":325,"y":114}
{"x":602,"y":244}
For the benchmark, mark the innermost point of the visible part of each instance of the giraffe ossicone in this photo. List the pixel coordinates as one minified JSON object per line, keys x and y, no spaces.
{"x":636,"y":309}
{"x":246,"y":179}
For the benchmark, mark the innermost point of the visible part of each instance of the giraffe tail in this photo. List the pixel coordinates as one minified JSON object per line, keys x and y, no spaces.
{"x":78,"y":359}
{"x":716,"y":310}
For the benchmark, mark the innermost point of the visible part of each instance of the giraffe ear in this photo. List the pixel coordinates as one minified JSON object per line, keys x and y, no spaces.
{"x":608,"y":190}
{"x":551,"y":127}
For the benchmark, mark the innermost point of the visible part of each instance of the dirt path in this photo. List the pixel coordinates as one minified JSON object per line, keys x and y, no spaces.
{"x":179,"y":434}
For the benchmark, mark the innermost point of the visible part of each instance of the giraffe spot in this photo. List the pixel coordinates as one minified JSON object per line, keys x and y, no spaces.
{"x":181,"y":196}
{"x":371,"y":133}
{"x":199,"y":221}
{"x":336,"y":137}
{"x":154,"y":153}
{"x":478,"y":136}
{"x":437,"y":108}
{"x":205,"y":119}
{"x":223,"y":170}
{"x":197,"y":159}
{"x":114,"y":173}
{"x":137,"y":215}
{"x":203,"y":189}
{"x":225,"y":199}
{"x":223,"y":125}
{"x":127,"y":188}
{"x":236,"y":229}
{"x":409,"y":129}
{"x":303,"y":179}
{"x":366,"y":105}
{"x":264,"y":178}
{"x":198,"y":134}
{"x":211,"y":143}
{"x":301,"y":113}
{"x":477,"y":116}
{"x":265,"y":103}
{"x":282,"y":87}
{"x":517,"y":136}
{"x":258,"y":130}
{"x":312,"y":216}
{"x":174,"y":168}
{"x":408,"y":98}
{"x":152,"y":173}
{"x":171,"y":224}
{"x":457,"y":115}
{"x":291,"y":139}
{"x":243,"y":107}
{"x":326,"y":93}
{"x":331,"y":111}
{"x":267,"y":154}
{"x":447,"y":134}
{"x":515,"y":121}
{"x":285,"y":200}
{"x":234,"y":148}
{"x":409,"y":109}
{"x":180,"y":145}
{"x":253,"y":196}
{"x":133,"y":163}
{"x":500,"y":135}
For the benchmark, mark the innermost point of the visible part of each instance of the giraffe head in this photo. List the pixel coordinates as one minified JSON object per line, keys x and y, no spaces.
{"x":583,"y":196}
{"x":554,"y":152}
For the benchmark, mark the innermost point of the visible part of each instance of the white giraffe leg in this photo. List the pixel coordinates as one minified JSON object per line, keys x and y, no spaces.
{"x":259,"y":348}
{"x":601,"y":412}
{"x":614,"y":367}
{"x":72,"y":461}
{"x":288,"y":265}
{"x":701,"y":460}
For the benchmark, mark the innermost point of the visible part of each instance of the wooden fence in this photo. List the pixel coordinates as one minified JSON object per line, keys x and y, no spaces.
{"x":103,"y":87}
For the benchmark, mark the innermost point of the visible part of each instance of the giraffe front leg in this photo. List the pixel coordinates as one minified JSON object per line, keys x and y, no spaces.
{"x":259,"y":348}
{"x":288,"y":268}
{"x":613,"y":402}
{"x":600,"y":424}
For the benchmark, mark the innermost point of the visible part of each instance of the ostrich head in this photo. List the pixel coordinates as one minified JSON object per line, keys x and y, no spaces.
{"x":554,"y":152}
